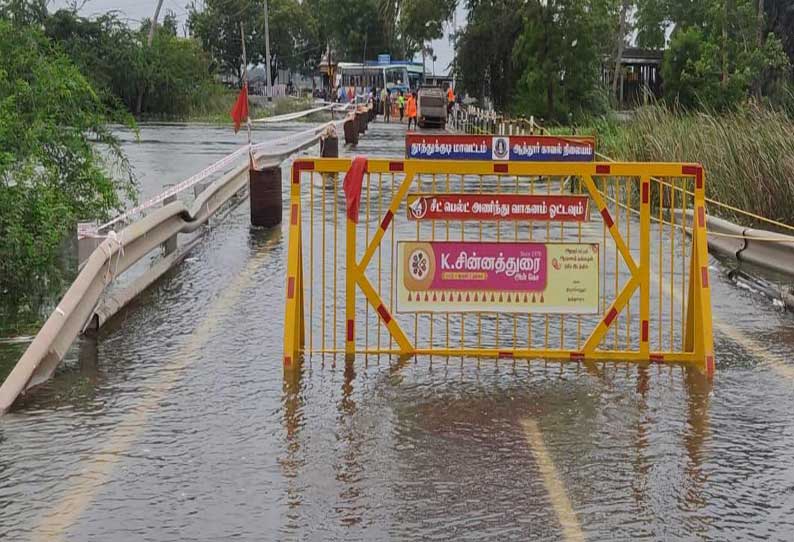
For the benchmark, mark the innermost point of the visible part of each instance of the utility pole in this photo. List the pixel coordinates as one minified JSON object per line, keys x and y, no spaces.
{"x":153,"y":26}
{"x":149,"y":40}
{"x":454,"y":49}
{"x":267,"y":53}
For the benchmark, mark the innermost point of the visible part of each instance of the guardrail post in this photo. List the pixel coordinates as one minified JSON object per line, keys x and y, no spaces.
{"x":351,"y":131}
{"x":329,"y":147}
{"x":361,"y":122}
{"x":86,"y":241}
{"x":169,"y":245}
{"x":265,"y":196}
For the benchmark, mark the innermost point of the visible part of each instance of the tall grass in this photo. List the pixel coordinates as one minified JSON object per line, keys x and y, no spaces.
{"x":748,"y":155}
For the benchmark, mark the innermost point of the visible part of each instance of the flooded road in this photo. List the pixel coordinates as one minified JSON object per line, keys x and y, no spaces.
{"x":176,"y":424}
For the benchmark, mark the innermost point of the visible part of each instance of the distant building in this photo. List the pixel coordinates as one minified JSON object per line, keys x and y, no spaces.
{"x":640,"y":76}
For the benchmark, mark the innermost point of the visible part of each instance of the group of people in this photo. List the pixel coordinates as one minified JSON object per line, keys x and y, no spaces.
{"x":405,"y":105}
{"x":384,"y":100}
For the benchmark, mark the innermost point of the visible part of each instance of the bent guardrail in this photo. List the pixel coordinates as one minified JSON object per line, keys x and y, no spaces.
{"x":120,"y":251}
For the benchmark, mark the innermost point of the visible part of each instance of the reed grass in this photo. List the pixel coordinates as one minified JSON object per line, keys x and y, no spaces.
{"x":748,"y":154}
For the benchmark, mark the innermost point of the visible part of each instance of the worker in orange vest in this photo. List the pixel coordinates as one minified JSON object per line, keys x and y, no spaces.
{"x":450,"y":100}
{"x":410,"y":109}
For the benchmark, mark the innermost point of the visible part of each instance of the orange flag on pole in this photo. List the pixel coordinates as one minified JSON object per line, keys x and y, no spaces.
{"x":240,"y":109}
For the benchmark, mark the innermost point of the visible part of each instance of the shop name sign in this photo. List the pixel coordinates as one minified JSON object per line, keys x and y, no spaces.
{"x":520,"y":277}
{"x":531,"y":148}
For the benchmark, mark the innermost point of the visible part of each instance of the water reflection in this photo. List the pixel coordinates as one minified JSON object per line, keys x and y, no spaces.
{"x":696,"y":435}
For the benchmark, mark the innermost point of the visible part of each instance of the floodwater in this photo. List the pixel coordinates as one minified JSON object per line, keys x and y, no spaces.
{"x":177,"y":425}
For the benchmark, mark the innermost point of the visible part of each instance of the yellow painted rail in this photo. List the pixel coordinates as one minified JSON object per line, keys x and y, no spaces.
{"x":343,"y":277}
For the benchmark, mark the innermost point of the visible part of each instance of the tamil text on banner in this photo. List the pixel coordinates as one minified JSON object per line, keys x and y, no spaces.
{"x":557,"y":208}
{"x":520,"y":277}
{"x":487,"y":147}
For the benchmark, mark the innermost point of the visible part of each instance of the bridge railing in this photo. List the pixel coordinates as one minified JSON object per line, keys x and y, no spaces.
{"x":91,"y":299}
{"x":416,"y":271}
{"x":470,"y":119}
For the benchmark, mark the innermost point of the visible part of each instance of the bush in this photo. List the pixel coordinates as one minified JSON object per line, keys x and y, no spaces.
{"x":51,"y":174}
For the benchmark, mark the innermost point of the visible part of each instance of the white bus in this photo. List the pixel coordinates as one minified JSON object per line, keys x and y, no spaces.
{"x":394,"y":75}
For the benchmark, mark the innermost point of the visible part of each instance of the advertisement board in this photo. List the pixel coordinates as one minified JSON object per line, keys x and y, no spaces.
{"x":516,"y":277}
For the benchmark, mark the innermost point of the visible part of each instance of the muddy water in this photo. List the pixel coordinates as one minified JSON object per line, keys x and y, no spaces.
{"x":176,"y":424}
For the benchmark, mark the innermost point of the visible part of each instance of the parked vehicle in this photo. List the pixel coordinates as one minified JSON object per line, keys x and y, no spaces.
{"x":431,"y":107}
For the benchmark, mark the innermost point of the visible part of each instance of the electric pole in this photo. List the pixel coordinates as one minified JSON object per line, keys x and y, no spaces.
{"x":149,"y":40}
{"x":153,"y":26}
{"x":267,"y":54}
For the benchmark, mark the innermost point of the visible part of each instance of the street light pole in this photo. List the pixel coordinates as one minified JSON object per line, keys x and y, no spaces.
{"x":267,"y":53}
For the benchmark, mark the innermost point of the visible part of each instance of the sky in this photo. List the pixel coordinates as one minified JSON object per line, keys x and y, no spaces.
{"x":133,"y":11}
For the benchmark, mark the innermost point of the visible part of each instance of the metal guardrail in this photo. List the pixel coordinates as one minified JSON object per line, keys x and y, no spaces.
{"x":474,"y":120}
{"x":82,"y":303}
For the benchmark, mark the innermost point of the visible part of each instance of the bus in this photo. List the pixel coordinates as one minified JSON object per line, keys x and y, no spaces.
{"x":395,"y":75}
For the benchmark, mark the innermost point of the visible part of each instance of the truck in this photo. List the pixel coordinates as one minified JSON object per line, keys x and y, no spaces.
{"x":431,"y":107}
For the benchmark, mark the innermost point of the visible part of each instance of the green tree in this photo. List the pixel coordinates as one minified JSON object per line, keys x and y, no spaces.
{"x":486,"y":64}
{"x":217,"y":27}
{"x":780,"y":20}
{"x":356,"y":30}
{"x":173,"y":74}
{"x":293,"y":34}
{"x":423,"y":20}
{"x":51,"y":171}
{"x":24,"y":12}
{"x":714,"y":59}
{"x":561,"y":49}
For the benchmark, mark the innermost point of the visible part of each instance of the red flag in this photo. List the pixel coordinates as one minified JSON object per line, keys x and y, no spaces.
{"x":353,"y":181}
{"x":240,"y":109}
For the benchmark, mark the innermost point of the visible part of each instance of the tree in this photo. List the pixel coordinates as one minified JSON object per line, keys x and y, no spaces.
{"x":173,"y":76}
{"x":423,"y":20}
{"x":486,"y":64}
{"x":24,"y":12}
{"x":51,"y":172}
{"x":715,"y":60}
{"x":217,"y":27}
{"x":293,"y":34}
{"x":780,"y":20}
{"x":561,"y":49}
{"x":355,"y":29}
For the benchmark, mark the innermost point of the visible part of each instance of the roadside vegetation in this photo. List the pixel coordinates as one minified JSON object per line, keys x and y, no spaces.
{"x":52,"y":172}
{"x":748,"y":153}
{"x":727,"y":95}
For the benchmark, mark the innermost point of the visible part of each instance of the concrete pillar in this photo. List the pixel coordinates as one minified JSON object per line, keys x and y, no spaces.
{"x":361,"y":122}
{"x":329,"y":147}
{"x":170,"y":244}
{"x":351,"y":132}
{"x":264,"y":189}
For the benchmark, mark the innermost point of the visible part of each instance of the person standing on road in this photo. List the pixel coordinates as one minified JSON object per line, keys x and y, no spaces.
{"x":450,"y":100}
{"x":401,"y":105}
{"x":410,"y":108}
{"x":387,"y":106}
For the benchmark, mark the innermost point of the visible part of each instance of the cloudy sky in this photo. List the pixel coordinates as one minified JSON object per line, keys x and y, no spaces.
{"x":133,"y":11}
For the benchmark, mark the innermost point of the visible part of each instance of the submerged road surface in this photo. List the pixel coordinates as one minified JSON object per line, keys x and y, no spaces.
{"x":176,"y":425}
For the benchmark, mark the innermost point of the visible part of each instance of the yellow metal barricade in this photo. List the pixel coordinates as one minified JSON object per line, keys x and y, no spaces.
{"x":624,"y":280}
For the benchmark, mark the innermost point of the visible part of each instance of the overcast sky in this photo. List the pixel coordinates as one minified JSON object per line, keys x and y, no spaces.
{"x":133,"y":11}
